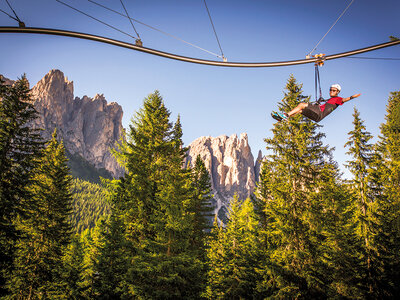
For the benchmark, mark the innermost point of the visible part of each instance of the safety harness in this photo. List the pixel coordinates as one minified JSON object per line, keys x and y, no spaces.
{"x":318,"y":63}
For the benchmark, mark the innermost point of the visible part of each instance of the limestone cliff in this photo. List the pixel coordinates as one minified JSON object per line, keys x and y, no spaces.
{"x":231,"y":165}
{"x":91,"y":126}
{"x":88,"y":126}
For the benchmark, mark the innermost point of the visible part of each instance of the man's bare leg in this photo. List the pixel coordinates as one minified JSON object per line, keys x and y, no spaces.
{"x":298,"y":109}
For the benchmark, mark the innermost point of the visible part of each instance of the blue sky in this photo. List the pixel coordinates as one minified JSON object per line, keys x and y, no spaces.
{"x":213,"y":101}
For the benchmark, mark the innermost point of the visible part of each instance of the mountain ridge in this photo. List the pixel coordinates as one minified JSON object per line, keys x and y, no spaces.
{"x":90,"y":127}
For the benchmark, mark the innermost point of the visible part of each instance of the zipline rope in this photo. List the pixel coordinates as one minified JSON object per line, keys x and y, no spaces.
{"x":309,"y":54}
{"x":104,"y":23}
{"x":131,"y":46}
{"x":130,"y":20}
{"x":377,"y":58}
{"x":215,"y":32}
{"x":154,"y":28}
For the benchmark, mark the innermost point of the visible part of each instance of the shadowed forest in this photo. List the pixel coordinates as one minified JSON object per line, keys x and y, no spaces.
{"x":305,"y":234}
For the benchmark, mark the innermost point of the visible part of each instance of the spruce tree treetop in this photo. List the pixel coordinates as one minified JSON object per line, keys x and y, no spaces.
{"x":391,"y":129}
{"x":359,"y":148}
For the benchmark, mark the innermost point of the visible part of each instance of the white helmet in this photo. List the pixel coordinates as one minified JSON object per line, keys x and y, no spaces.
{"x":336,"y":86}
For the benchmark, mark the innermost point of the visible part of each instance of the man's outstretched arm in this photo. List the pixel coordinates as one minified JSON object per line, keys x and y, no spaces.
{"x":351,"y":97}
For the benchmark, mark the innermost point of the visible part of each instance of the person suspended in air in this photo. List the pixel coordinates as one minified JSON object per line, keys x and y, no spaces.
{"x":316,"y":112}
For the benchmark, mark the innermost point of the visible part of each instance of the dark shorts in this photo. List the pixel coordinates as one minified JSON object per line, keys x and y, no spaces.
{"x":313,"y":111}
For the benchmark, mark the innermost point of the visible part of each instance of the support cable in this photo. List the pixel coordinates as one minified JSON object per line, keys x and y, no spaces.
{"x":9,"y":15}
{"x":154,"y":28}
{"x":309,"y":54}
{"x":215,"y":32}
{"x":98,"y":20}
{"x":138,"y":41}
{"x":20,"y":23}
{"x":13,"y":11}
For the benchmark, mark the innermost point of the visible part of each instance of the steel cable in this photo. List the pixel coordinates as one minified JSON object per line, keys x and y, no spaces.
{"x":154,"y":28}
{"x":130,"y":20}
{"x":215,"y":32}
{"x":98,"y":20}
{"x":309,"y":54}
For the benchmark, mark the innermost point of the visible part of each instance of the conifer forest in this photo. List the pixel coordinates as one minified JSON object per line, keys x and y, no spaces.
{"x":306,"y":233}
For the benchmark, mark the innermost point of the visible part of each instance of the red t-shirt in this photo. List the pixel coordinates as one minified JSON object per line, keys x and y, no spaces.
{"x":334,"y":100}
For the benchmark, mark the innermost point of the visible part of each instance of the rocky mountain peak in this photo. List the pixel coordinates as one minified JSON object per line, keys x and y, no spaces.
{"x":56,"y":84}
{"x":231,"y":166}
{"x":88,"y":126}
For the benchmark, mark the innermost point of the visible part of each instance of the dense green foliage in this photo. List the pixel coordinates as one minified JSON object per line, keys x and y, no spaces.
{"x":45,"y":230}
{"x":155,"y":202}
{"x":305,"y":234}
{"x":235,"y":255}
{"x":303,"y":207}
{"x":89,"y":204}
{"x":20,"y":147}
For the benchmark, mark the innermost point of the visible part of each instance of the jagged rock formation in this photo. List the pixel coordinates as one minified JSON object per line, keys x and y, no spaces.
{"x":231,"y":165}
{"x":89,"y":126}
{"x":7,"y":81}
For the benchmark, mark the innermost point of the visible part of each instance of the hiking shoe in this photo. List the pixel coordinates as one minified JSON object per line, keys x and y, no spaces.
{"x":279,"y":116}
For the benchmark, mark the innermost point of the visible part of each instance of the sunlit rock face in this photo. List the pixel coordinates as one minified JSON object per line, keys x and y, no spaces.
{"x":231,"y":166}
{"x":89,"y":127}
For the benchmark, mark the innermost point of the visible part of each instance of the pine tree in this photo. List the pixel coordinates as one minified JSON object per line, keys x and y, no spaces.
{"x":20,"y":147}
{"x":111,"y":264}
{"x":89,"y":239}
{"x":73,"y":263}
{"x":47,"y":230}
{"x":234,"y":255}
{"x":200,"y":207}
{"x":145,"y":157}
{"x":362,"y":153}
{"x":385,"y":183}
{"x":153,"y":201}
{"x":300,"y":191}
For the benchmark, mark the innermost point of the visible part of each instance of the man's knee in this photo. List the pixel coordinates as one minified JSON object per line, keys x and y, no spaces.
{"x":303,"y":105}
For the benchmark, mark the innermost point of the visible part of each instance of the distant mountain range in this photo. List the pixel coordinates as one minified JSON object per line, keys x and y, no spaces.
{"x":90,"y":127}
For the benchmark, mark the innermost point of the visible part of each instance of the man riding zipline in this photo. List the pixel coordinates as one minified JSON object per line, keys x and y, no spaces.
{"x":316,"y":112}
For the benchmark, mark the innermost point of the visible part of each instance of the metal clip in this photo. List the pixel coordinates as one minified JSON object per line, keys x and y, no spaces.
{"x":138,"y":42}
{"x":320,"y":59}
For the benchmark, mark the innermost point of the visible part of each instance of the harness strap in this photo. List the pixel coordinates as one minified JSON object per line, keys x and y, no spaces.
{"x":318,"y":86}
